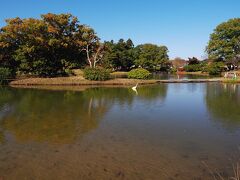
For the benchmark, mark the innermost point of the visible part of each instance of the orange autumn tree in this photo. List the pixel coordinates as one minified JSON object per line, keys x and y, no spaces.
{"x":48,"y":46}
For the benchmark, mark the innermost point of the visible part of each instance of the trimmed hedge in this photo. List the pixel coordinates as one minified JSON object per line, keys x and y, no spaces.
{"x":139,"y":73}
{"x":96,"y":74}
{"x":5,"y":74}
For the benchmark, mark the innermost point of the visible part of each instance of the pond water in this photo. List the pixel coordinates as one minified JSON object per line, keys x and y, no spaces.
{"x":166,"y":76}
{"x":165,"y":131}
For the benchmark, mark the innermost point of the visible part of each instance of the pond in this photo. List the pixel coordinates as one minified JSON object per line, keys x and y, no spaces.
{"x":166,"y":76}
{"x":165,"y":131}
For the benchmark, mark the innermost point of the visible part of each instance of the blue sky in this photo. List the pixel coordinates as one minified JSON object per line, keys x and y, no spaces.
{"x":182,"y":25}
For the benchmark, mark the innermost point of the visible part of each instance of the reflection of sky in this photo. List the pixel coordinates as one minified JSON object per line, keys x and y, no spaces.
{"x":4,"y":110}
{"x":182,"y":100}
{"x":182,"y":114}
{"x":181,"y":121}
{"x":166,"y":110}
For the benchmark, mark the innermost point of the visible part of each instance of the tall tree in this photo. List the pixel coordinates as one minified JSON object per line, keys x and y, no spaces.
{"x":119,"y":55}
{"x":193,"y":61}
{"x":48,"y":46}
{"x":224,"y":42}
{"x":151,"y":55}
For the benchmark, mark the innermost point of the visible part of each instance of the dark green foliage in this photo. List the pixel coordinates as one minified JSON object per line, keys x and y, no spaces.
{"x":96,"y":74}
{"x":5,"y":74}
{"x":123,"y":56}
{"x":224,"y":41}
{"x":213,"y":71}
{"x":215,"y":68}
{"x":173,"y":70}
{"x":193,"y":61}
{"x":119,"y":56}
{"x":193,"y":68}
{"x":69,"y":72}
{"x":139,"y":73}
{"x":195,"y":65}
{"x":149,"y":56}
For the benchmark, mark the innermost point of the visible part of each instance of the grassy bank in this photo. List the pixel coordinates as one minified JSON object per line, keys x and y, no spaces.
{"x":231,"y":81}
{"x":76,"y":81}
{"x":119,"y":74}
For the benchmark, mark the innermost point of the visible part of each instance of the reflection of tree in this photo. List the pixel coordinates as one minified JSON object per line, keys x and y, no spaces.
{"x":62,"y":116}
{"x":113,"y":95}
{"x":6,"y":95}
{"x":223,"y":102}
{"x":126,"y":95}
{"x":53,"y":116}
{"x":153,"y":92}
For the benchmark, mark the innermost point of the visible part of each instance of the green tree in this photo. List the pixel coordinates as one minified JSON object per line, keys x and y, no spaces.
{"x":193,"y":60}
{"x":149,"y":55}
{"x":119,"y":55}
{"x":194,"y":65}
{"x":224,"y":44}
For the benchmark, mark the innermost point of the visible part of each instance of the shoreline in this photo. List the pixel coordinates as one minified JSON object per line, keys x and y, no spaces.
{"x":199,"y":73}
{"x":79,"y":81}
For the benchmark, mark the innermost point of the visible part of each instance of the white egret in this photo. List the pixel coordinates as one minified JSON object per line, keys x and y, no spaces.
{"x":135,"y":87}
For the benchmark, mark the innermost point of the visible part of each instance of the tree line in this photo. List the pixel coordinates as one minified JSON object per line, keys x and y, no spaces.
{"x":55,"y":44}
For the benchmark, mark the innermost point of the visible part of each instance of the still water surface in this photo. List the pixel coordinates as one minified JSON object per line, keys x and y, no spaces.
{"x":166,"y":76}
{"x":168,"y":131}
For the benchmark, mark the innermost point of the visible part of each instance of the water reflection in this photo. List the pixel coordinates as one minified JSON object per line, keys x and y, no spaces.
{"x":166,"y":76}
{"x":54,"y":117}
{"x":63,"y":116}
{"x":153,"y":92}
{"x":223,"y":103}
{"x":164,"y":132}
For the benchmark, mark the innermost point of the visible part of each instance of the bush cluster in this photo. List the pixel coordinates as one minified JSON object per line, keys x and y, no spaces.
{"x":215,"y":68}
{"x":139,"y":73}
{"x":5,"y":74}
{"x":173,"y":70}
{"x":96,"y":74}
{"x":193,"y":68}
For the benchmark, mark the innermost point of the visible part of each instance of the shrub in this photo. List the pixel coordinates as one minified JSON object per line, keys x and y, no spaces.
{"x":193,"y":68}
{"x":69,"y":72}
{"x":139,"y":73}
{"x":213,"y":71}
{"x":215,"y":68}
{"x":173,"y":70}
{"x":96,"y":74}
{"x":5,"y":74}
